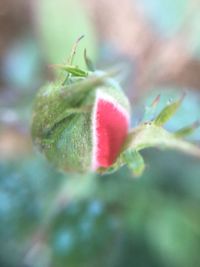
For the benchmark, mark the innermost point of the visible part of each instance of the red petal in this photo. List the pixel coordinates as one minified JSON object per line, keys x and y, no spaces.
{"x":111,"y":126}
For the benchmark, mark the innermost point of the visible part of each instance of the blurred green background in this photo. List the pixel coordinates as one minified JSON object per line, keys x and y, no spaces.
{"x":51,"y":219}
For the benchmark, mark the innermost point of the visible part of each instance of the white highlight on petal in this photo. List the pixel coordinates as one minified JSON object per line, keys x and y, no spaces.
{"x":100,"y":95}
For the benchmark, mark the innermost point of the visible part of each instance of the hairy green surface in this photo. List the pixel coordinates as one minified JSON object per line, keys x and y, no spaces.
{"x":61,"y":123}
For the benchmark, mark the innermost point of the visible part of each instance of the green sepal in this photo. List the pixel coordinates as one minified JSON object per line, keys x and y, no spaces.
{"x":114,"y":167}
{"x":76,"y":91}
{"x":168,"y":112}
{"x":73,"y":70}
{"x":65,"y":115}
{"x":134,"y":161}
{"x":131,"y":158}
{"x":188,"y":130}
{"x":88,"y":62}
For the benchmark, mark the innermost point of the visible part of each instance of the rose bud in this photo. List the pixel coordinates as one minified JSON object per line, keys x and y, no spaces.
{"x":81,"y":123}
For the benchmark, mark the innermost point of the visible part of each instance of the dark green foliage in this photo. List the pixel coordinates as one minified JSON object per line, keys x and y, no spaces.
{"x":110,"y":221}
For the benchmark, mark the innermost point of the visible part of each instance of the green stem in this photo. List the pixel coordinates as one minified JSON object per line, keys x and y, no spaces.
{"x":150,"y":135}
